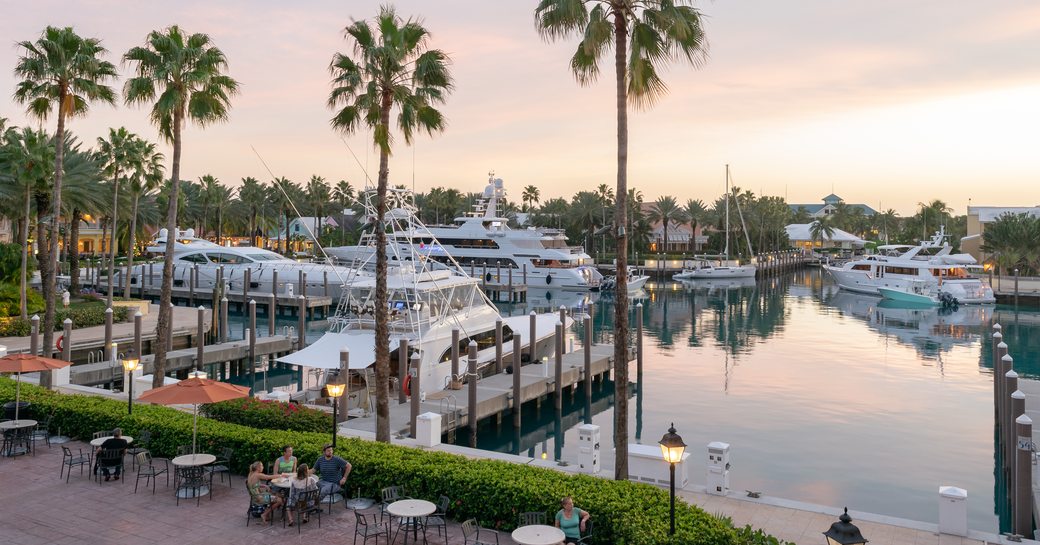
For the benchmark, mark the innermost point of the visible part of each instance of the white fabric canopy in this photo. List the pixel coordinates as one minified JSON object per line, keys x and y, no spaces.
{"x":324,"y":353}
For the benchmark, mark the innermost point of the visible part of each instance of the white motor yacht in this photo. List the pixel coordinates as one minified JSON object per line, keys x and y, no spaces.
{"x":482,"y":242}
{"x":191,"y":252}
{"x":930,"y":266}
{"x":427,"y":301}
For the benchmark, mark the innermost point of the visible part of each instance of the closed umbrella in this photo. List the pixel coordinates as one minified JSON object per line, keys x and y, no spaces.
{"x":27,"y":363}
{"x":193,"y":391}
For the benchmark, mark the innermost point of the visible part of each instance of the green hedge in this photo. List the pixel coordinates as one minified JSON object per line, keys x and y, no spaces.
{"x":493,"y":492}
{"x":269,"y":415}
{"x":82,"y":315}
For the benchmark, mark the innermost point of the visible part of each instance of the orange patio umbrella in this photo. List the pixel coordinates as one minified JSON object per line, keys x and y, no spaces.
{"x":194,"y":390}
{"x":27,"y":363}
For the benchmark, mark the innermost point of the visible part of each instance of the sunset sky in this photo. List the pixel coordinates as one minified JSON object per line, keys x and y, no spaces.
{"x":886,"y":103}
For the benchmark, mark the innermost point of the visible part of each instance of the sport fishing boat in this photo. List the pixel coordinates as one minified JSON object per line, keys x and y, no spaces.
{"x":483,"y":242}
{"x":427,"y":301}
{"x":634,"y":285}
{"x":723,"y":267}
{"x":263,"y":265}
{"x":928,"y":267}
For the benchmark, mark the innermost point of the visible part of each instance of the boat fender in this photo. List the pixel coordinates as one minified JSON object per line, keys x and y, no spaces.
{"x":60,"y":343}
{"x":407,"y":384}
{"x":487,"y":277}
{"x":548,"y":279}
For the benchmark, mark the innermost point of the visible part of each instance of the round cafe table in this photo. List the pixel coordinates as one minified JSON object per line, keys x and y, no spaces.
{"x":16,"y":425}
{"x":412,"y":511}
{"x":192,"y":460}
{"x":101,"y":440}
{"x":538,"y":534}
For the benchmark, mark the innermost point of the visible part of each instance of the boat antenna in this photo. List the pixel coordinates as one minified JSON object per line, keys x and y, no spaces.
{"x":317,"y":243}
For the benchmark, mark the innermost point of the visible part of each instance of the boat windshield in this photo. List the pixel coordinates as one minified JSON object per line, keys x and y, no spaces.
{"x":264,"y":256}
{"x":555,"y":263}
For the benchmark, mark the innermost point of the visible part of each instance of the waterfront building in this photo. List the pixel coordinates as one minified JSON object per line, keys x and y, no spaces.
{"x":830,"y":206}
{"x":800,"y":235}
{"x":981,"y":216}
{"x":303,"y":232}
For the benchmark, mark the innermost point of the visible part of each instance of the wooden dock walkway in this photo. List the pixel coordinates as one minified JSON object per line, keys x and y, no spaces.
{"x":494,"y":393}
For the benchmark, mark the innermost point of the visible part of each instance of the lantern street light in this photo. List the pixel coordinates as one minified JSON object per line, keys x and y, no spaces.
{"x":672,"y":448}
{"x":844,"y":532}
{"x":130,"y":364}
{"x":335,"y":390}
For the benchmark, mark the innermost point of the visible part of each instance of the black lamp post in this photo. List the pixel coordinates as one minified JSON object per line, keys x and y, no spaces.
{"x":672,"y":448}
{"x":335,"y":391}
{"x":130,"y":364}
{"x":844,"y":532}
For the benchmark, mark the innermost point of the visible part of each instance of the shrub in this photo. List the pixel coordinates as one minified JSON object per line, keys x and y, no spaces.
{"x":269,"y":415}
{"x":82,"y":315}
{"x":11,"y":263}
{"x":10,"y":293}
{"x":493,"y":492}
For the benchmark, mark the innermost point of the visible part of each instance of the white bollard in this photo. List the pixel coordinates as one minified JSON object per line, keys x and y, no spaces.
{"x":953,"y":511}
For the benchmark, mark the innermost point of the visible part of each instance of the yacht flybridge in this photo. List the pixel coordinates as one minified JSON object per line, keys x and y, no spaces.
{"x":483,"y":237}
{"x":427,"y":301}
{"x":191,"y":252}
{"x":929,"y":266}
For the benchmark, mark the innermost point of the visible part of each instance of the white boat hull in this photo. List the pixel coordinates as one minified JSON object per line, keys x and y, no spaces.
{"x":965,"y":291}
{"x":741,"y":271}
{"x":904,"y":296}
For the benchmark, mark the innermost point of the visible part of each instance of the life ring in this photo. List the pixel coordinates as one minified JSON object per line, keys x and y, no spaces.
{"x":60,"y":343}
{"x":405,"y":385}
{"x":548,"y":279}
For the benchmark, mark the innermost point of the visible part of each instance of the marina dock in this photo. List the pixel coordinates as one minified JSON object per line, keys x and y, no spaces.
{"x":494,"y":393}
{"x":285,"y":304}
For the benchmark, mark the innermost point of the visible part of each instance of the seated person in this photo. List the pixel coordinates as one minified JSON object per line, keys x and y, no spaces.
{"x":115,"y":463}
{"x":286,"y":463}
{"x":333,"y":471}
{"x":260,"y":492}
{"x":301,"y":482}
{"x":571,"y":520}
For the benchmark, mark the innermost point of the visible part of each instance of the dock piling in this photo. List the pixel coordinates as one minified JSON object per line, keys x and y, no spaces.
{"x":169,"y":331}
{"x":272,"y":309}
{"x":588,"y":368}
{"x":414,"y":387}
{"x":251,"y":336}
{"x":66,"y":347}
{"x":1010,"y":386}
{"x":402,"y":371}
{"x":138,"y":331}
{"x":34,"y":335}
{"x":108,"y":327}
{"x":517,"y":345}
{"x":454,"y":378}
{"x":558,"y":386}
{"x":223,"y":319}
{"x":200,"y":337}
{"x":1022,"y":509}
{"x":472,"y":377}
{"x":532,"y":352}
{"x":498,"y":346}
{"x":301,"y":323}
{"x":247,"y":280}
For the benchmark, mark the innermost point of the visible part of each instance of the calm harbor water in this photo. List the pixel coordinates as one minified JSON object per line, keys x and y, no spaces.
{"x":826,"y":397}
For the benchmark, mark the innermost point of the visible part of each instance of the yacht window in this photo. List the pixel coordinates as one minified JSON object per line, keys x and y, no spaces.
{"x":195,"y":258}
{"x":264,"y":257}
{"x":861,"y":267}
{"x":226,"y":259}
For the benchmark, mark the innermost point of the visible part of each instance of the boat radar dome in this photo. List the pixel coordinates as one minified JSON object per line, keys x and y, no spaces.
{"x":163,"y":232}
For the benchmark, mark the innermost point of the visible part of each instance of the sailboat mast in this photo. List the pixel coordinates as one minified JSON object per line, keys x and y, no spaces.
{"x":727,"y":212}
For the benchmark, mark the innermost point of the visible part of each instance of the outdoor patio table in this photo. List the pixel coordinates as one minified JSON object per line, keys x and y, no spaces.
{"x":12,"y":425}
{"x":538,"y":534}
{"x":189,"y":460}
{"x":101,"y":440}
{"x":413,"y":510}
{"x":281,"y":485}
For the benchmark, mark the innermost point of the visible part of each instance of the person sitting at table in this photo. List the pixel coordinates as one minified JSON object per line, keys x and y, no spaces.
{"x":571,"y":520}
{"x":303,"y":481}
{"x":260,"y":492}
{"x":112,"y":445}
{"x":286,"y":463}
{"x":333,"y":471}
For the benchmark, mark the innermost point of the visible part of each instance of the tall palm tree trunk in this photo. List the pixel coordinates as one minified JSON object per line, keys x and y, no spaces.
{"x":130,"y":246}
{"x":52,"y":268}
{"x":72,"y":252}
{"x":23,"y":236}
{"x":112,"y":241}
{"x":382,"y":312}
{"x":166,"y":295}
{"x":621,"y":297}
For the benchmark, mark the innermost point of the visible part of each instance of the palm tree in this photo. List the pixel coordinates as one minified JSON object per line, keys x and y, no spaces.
{"x":696,"y":214}
{"x":391,"y":66}
{"x":282,"y":195}
{"x":253,"y":196}
{"x":935,"y":213}
{"x":664,"y":211}
{"x":29,"y":155}
{"x":210,"y":194}
{"x":343,"y":193}
{"x":184,"y":76}
{"x":585,"y":213}
{"x":821,"y":229}
{"x":145,"y":177}
{"x":654,"y":31}
{"x":65,"y":72}
{"x":115,"y":152}
{"x":80,"y":196}
{"x":530,"y":197}
{"x":223,"y":197}
{"x":318,"y":196}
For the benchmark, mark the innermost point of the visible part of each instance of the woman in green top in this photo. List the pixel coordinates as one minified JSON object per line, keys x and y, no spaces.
{"x":286,"y":463}
{"x":571,"y":520}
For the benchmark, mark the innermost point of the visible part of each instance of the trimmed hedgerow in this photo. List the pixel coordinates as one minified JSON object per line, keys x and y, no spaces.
{"x":269,"y":415}
{"x":493,"y":492}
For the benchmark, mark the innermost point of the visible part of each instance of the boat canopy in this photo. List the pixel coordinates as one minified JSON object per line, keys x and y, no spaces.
{"x":324,"y":353}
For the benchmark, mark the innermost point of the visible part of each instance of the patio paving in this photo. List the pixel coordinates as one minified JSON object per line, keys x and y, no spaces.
{"x":38,"y":508}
